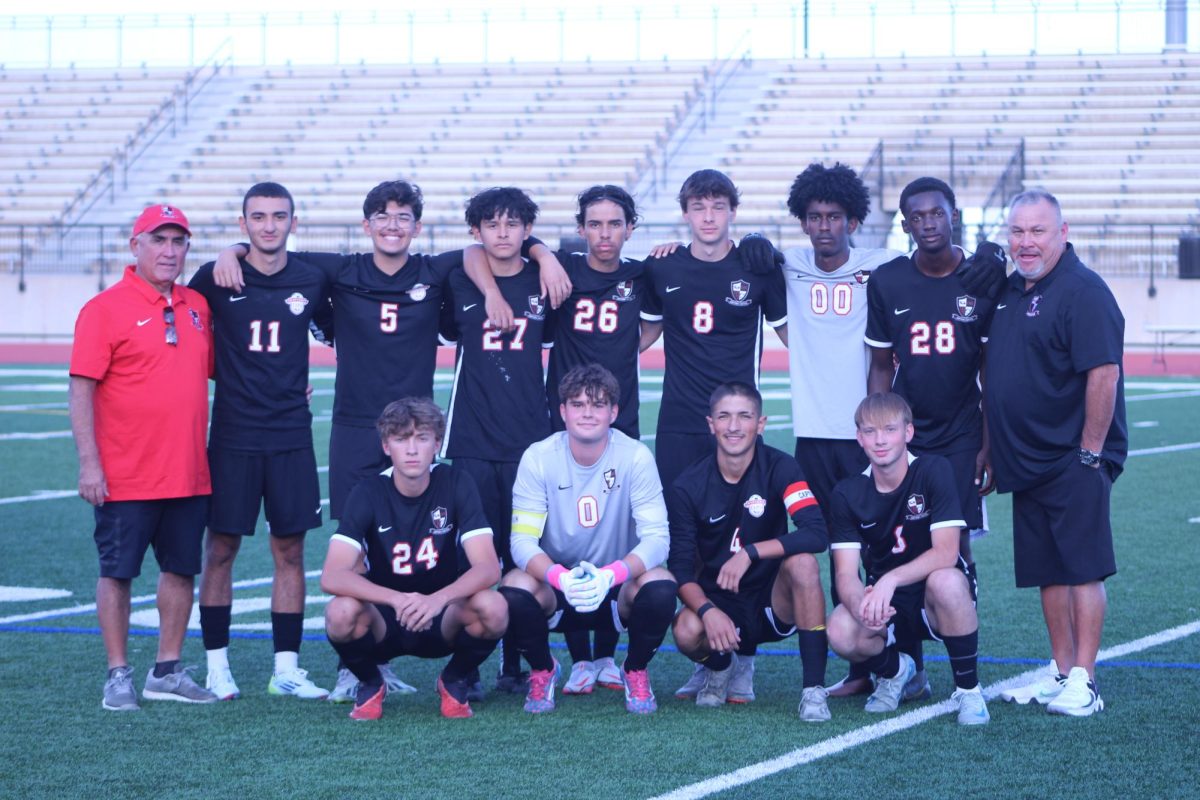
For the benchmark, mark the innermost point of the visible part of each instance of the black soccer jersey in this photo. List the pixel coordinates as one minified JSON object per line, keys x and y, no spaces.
{"x":936,"y":330}
{"x":712,"y":329}
{"x":414,"y":544}
{"x":498,"y":401}
{"x":260,"y":338}
{"x":599,"y":323}
{"x":711,"y":519}
{"x":385,"y":329}
{"x":894,"y":528}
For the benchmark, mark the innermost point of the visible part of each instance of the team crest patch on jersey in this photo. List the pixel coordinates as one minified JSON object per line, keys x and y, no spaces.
{"x":610,"y":478}
{"x":916,"y":507}
{"x":1033,"y":310}
{"x":296,"y":303}
{"x":441,"y":519}
{"x":965,"y":306}
{"x":196,"y":323}
{"x":739,"y":293}
{"x":537,"y":307}
{"x":862,"y":276}
{"x":418,"y":292}
{"x":756,"y":505}
{"x":624,"y":292}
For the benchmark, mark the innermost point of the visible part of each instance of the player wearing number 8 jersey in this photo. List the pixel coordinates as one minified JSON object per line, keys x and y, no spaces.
{"x":411,"y":567}
{"x":710,"y":306}
{"x":260,"y":446}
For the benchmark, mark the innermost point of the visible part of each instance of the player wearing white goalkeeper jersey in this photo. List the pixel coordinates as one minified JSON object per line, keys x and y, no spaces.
{"x":589,"y":536}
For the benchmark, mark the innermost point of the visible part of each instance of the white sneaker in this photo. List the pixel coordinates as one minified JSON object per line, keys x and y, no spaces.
{"x":972,"y":708}
{"x":393,"y":682}
{"x":1078,"y":697}
{"x":741,"y":685}
{"x":715,"y":691}
{"x":346,"y":688}
{"x":814,"y":704}
{"x":219,"y":681}
{"x":693,"y":686}
{"x":1042,"y":690}
{"x":295,"y":682}
{"x":582,"y":678}
{"x":886,"y":697}
{"x":609,"y":675}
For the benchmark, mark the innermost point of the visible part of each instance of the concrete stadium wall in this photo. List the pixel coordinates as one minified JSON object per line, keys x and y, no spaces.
{"x":46,"y":310}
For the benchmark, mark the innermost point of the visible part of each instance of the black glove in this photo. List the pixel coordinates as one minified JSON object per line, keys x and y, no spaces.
{"x":984,"y":274}
{"x":759,"y":255}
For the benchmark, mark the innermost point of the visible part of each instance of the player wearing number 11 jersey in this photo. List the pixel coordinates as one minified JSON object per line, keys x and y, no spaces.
{"x":260,"y":446}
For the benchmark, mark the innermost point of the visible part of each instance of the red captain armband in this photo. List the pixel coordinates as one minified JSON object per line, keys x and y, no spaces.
{"x":797,"y":496}
{"x":554,"y":575}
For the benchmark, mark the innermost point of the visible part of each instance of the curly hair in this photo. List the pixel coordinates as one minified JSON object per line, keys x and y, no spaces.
{"x":837,"y":184}
{"x":402,"y":193}
{"x":591,"y":379}
{"x":508,"y":201}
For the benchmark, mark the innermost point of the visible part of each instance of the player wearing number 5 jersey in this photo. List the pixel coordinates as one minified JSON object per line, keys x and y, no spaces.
{"x":260,"y":447}
{"x":710,"y":306}
{"x":411,"y":567}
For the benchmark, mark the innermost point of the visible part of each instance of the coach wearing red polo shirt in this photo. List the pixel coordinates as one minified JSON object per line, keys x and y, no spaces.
{"x":139,"y":411}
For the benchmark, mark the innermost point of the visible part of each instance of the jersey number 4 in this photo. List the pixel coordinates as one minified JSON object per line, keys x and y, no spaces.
{"x":587,"y":319}
{"x":942,"y":335}
{"x":402,"y":556}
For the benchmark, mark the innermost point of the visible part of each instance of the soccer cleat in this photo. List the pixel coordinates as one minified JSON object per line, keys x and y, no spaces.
{"x":851,"y":686}
{"x":475,"y":690}
{"x":814,"y":704}
{"x":119,"y":694}
{"x":220,"y":682}
{"x":608,"y":674}
{"x":393,"y":682}
{"x":345,"y":688}
{"x":693,"y":686}
{"x":540,"y":699}
{"x":295,"y":682}
{"x":368,"y":702}
{"x":582,"y":678}
{"x":1078,"y":697}
{"x":639,"y":697}
{"x":886,"y":697}
{"x":512,"y":684}
{"x":917,"y":689}
{"x":1042,"y":690}
{"x":972,"y":708}
{"x":177,"y":686}
{"x":452,"y":707}
{"x":741,"y":685}
{"x":715,"y":691}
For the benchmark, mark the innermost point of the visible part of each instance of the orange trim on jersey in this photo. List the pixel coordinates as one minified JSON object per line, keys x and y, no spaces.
{"x":797,"y":496}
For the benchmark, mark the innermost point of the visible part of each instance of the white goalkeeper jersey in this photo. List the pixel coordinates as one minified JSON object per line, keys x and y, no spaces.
{"x":827,"y":359}
{"x":598,"y":514}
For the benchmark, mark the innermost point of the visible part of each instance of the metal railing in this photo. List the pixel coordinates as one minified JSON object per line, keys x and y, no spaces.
{"x":1011,"y":181}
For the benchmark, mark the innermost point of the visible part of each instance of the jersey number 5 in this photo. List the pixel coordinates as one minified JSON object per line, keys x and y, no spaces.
{"x":402,"y":558}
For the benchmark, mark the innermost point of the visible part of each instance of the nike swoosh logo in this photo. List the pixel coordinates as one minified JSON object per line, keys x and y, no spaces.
{"x":142,"y":322}
{"x":468,"y":308}
{"x":716,"y":519}
{"x":865,"y":525}
{"x":382,"y":529}
{"x":1002,"y":305}
{"x":900,"y":311}
{"x":673,"y":289}
{"x":235,"y":299}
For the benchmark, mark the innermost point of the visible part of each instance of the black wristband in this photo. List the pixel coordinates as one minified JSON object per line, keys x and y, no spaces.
{"x":751,"y":551}
{"x":704,"y":609}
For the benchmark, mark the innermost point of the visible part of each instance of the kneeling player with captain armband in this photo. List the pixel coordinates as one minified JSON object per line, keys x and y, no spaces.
{"x":901,"y":517}
{"x":588,"y":496}
{"x":396,"y":567}
{"x":744,"y":579}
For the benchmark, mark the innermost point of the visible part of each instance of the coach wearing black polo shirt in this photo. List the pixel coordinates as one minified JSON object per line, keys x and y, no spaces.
{"x":1057,"y":426}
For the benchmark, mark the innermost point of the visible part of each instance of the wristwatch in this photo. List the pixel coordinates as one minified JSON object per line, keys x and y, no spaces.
{"x":1089,"y":458}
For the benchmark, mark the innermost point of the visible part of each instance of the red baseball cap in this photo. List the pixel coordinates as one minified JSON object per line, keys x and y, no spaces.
{"x":154,"y":217}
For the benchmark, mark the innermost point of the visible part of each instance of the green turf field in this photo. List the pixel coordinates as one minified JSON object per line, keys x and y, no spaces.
{"x":60,"y":743}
